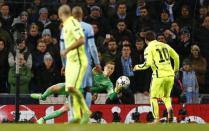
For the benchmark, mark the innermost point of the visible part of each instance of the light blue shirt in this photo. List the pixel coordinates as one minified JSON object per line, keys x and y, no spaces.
{"x":62,"y":47}
{"x":90,"y":47}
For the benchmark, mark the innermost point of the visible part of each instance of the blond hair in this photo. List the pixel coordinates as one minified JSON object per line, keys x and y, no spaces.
{"x":65,"y":10}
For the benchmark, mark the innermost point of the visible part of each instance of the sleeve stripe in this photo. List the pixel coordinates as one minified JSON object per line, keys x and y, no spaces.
{"x":77,"y":29}
{"x":73,"y":23}
{"x":142,"y":65}
{"x":90,"y":37}
{"x":61,"y":40}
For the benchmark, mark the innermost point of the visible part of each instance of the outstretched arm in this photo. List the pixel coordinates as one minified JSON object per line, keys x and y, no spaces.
{"x":147,"y":63}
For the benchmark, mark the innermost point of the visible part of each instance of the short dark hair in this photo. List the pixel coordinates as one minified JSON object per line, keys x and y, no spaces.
{"x":110,"y":62}
{"x":150,"y":36}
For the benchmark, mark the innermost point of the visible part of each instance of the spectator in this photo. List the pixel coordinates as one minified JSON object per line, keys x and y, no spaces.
{"x":184,"y":46}
{"x":189,"y":81}
{"x":38,"y":55}
{"x":161,"y":38}
{"x":5,"y":17}
{"x":21,"y":46}
{"x":201,"y":36}
{"x":4,"y":67}
{"x":47,"y":75}
{"x":185,"y":19}
{"x":52,"y":47}
{"x":20,"y":26}
{"x":175,"y":28}
{"x":124,"y":64}
{"x":144,"y":22}
{"x":43,"y":19}
{"x":172,"y":7}
{"x":7,"y":38}
{"x":111,"y":51}
{"x":122,"y":32}
{"x":25,"y":76}
{"x":87,"y":6}
{"x":165,"y":22}
{"x":32,"y":38}
{"x":199,"y":65}
{"x":203,"y":11}
{"x":142,"y":78}
{"x":170,"y":38}
{"x":99,"y":39}
{"x":121,"y":14}
{"x":96,"y":16}
{"x":33,"y":10}
{"x":110,"y":9}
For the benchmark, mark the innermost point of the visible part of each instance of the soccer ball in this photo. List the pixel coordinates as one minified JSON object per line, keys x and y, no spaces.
{"x":123,"y":81}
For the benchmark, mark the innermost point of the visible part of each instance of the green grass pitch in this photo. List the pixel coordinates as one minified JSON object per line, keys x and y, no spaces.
{"x":105,"y":127}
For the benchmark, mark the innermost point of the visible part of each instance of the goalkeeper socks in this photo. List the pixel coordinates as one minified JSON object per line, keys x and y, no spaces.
{"x":155,"y":108}
{"x":47,"y":93}
{"x":88,"y":99}
{"x":53,"y":115}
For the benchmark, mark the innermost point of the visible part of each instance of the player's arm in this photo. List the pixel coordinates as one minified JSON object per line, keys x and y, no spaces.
{"x":76,"y":44}
{"x":93,"y":48}
{"x":148,"y":61}
{"x":62,"y":47}
{"x":175,"y":57}
{"x":78,"y":34}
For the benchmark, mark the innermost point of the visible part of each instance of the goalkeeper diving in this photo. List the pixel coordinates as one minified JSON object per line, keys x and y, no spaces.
{"x":101,"y":83}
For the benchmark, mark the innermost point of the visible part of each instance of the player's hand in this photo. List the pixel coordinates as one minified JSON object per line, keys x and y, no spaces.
{"x":136,"y":67}
{"x":63,"y":71}
{"x":118,"y":88}
{"x":98,"y":68}
{"x":63,"y":53}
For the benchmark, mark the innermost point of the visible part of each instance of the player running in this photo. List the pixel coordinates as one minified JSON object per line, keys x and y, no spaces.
{"x":157,"y":56}
{"x":76,"y":62}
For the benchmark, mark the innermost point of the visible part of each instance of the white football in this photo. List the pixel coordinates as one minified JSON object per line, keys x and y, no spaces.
{"x":123,"y":81}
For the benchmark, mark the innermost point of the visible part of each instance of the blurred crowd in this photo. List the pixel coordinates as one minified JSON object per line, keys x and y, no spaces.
{"x":33,"y":28}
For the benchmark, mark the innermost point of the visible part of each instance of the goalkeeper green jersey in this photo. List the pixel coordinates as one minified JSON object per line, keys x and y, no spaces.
{"x":157,"y":56}
{"x":102,"y":83}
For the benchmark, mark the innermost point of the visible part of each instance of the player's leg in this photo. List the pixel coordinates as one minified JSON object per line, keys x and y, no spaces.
{"x":54,"y":114}
{"x":168,"y":85}
{"x":87,"y":84}
{"x":73,"y":83}
{"x":155,"y":93}
{"x":58,"y":88}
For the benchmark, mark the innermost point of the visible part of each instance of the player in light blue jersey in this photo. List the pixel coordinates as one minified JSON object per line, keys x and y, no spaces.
{"x":91,"y":52}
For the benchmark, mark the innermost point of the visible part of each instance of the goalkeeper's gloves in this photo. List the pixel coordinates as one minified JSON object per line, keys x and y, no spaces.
{"x":118,"y":88}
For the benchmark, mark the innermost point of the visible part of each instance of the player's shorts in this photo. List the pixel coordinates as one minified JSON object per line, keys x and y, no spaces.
{"x":74,"y":73}
{"x":88,"y":80}
{"x":161,"y":87}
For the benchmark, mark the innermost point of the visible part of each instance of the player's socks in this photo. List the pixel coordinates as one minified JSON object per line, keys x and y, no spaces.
{"x":36,"y":96}
{"x":47,"y":93}
{"x":76,"y":108}
{"x":88,"y":99}
{"x":40,"y":121}
{"x":167,"y":102}
{"x":84,"y":108}
{"x":155,"y":108}
{"x":170,"y":116}
{"x":53,"y":115}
